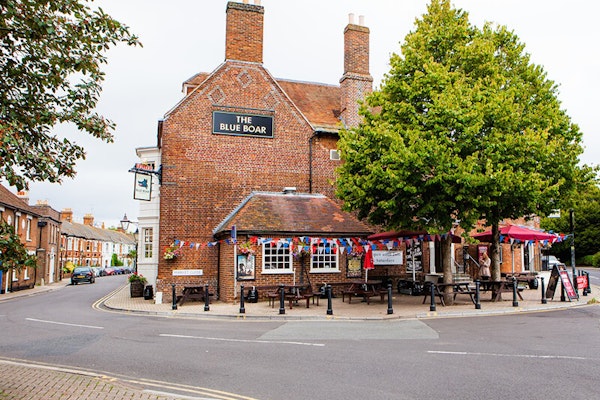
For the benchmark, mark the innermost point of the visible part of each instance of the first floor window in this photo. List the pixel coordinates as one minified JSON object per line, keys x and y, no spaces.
{"x":276,"y":259}
{"x":147,"y":244}
{"x":324,"y":258}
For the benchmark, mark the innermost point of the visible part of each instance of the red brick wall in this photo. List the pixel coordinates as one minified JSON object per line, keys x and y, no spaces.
{"x":244,"y":32}
{"x":205,"y":175}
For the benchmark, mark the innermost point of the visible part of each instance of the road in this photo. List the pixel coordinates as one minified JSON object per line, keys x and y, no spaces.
{"x":532,"y":356}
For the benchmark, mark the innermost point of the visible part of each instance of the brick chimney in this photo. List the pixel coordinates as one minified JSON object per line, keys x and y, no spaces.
{"x":244,"y":36}
{"x":88,"y":219}
{"x":66,"y":215}
{"x":356,"y":81}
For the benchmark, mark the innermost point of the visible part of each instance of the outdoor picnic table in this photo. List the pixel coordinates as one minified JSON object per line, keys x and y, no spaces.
{"x":457,"y":288}
{"x":192,"y":293}
{"x":364,"y":289}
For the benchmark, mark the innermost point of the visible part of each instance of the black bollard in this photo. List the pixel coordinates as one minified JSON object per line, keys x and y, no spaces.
{"x":242,"y":308}
{"x":390,"y":310}
{"x":575,"y":282}
{"x":515,"y":302}
{"x":588,"y":288}
{"x":477,"y":303}
{"x":174,"y":306}
{"x":544,"y":300}
{"x":329,"y":309}
{"x":281,"y":299}
{"x":432,"y":295}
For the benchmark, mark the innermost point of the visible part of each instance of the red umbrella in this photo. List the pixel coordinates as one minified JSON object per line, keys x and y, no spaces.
{"x":517,"y":232}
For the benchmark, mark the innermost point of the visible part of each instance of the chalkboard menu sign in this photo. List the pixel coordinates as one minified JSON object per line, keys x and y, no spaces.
{"x":559,"y":272}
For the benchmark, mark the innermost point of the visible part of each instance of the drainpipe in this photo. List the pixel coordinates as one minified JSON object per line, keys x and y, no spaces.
{"x":310,"y":160}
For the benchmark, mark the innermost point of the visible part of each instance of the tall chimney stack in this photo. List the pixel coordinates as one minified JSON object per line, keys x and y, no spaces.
{"x":356,"y":81}
{"x":244,"y":36}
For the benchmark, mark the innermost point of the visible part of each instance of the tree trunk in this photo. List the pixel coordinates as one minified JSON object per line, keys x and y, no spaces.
{"x":447,"y":267}
{"x":495,"y":252}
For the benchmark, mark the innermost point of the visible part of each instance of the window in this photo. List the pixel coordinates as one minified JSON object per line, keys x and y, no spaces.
{"x":276,"y":259}
{"x":334,"y":155}
{"x":28,"y":231}
{"x":147,"y":241}
{"x":325,"y":258}
{"x":17,"y":221}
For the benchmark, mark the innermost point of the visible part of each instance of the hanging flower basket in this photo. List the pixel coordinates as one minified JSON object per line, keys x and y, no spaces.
{"x":171,"y":252}
{"x":246,"y":248}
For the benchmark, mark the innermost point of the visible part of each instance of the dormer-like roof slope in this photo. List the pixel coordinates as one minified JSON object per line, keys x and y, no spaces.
{"x":9,"y":199}
{"x":318,"y":102}
{"x":292,"y":214}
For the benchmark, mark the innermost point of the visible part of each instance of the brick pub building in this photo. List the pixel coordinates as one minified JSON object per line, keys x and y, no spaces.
{"x":238,"y":138}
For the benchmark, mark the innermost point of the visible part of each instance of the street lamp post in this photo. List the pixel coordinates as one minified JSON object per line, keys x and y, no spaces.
{"x":125,"y":225}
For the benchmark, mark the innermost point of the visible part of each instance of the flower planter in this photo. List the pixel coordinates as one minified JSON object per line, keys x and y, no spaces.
{"x":136,"y":289}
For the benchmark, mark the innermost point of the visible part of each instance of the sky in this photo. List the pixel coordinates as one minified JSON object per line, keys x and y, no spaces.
{"x":303,"y":40}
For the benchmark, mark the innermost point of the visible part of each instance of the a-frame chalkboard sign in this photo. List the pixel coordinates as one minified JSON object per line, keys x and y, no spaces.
{"x":559,"y":272}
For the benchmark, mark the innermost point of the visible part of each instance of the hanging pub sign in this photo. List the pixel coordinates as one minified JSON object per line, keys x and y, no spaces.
{"x":142,"y":187}
{"x":227,"y":123}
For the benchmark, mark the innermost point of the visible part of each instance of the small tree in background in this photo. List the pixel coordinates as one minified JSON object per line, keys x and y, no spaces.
{"x":13,"y":255}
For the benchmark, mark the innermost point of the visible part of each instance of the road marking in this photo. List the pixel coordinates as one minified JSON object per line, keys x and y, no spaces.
{"x":465,"y":353}
{"x":243,"y":340}
{"x":64,"y":323}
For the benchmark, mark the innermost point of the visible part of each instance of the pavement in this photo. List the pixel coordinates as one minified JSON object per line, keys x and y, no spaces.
{"x":25,"y":380}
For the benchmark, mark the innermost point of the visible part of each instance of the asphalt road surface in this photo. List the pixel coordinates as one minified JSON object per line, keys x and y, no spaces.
{"x":546,"y":355}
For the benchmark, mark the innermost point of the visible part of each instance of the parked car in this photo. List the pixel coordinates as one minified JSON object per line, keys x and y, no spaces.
{"x":548,"y":262}
{"x":82,"y":274}
{"x":109,"y":271}
{"x":97,"y":271}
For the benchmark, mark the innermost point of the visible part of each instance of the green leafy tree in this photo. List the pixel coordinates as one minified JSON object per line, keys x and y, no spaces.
{"x":50,"y":57}
{"x":464,"y":127}
{"x":586,"y":211}
{"x":13,"y":255}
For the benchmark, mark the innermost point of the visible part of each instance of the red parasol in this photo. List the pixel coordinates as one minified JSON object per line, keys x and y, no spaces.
{"x":517,"y":232}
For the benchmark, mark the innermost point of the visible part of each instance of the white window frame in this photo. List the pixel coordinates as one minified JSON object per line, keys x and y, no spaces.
{"x":322,"y":261}
{"x":147,"y":242}
{"x":28,"y":230}
{"x":284,"y":264}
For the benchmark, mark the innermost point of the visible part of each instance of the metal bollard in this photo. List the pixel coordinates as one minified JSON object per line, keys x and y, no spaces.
{"x":477,"y":303}
{"x":206,"y":298}
{"x":281,"y":299}
{"x":329,"y":309}
{"x":390,"y":310}
{"x":588,"y":288}
{"x":242,"y":308}
{"x":174,"y":306}
{"x":575,"y":282}
{"x":544,"y":300}
{"x":515,"y":302}
{"x":432,"y":297}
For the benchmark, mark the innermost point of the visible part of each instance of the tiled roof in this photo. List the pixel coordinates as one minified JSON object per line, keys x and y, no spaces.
{"x":292,"y":214}
{"x":93,"y":233}
{"x":11,"y":200}
{"x":318,"y":102}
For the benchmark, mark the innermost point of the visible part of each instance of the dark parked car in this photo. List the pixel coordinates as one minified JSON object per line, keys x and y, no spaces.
{"x":82,"y":274}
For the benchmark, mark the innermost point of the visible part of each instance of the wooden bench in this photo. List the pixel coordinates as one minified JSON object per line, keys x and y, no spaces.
{"x":192,"y":293}
{"x":361,"y":291}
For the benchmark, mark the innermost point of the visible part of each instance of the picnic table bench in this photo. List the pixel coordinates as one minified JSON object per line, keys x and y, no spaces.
{"x":192,"y":293}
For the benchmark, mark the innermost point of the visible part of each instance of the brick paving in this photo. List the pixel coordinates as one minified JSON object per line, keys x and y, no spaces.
{"x":32,"y":382}
{"x":36,"y":382}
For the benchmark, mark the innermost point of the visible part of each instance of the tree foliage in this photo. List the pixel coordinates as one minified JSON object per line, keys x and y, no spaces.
{"x":13,"y":255}
{"x":464,"y":127}
{"x":586,"y":211}
{"x":50,"y":57}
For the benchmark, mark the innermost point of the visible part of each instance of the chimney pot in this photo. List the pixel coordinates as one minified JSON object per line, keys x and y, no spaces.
{"x":361,"y":20}
{"x":351,"y":18}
